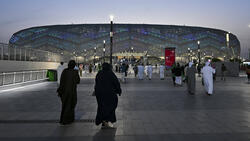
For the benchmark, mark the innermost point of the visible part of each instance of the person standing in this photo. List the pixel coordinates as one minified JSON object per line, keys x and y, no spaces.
{"x":223,"y":70}
{"x":135,"y":70}
{"x":140,"y":71}
{"x":123,"y":68}
{"x":178,"y":77}
{"x":208,"y":72}
{"x":149,"y":71}
{"x":107,"y":87}
{"x":80,"y":69}
{"x":190,"y":78}
{"x":60,"y":69}
{"x":162,"y":70}
{"x":67,"y":91}
{"x":173,"y":73}
{"x":248,"y":73}
{"x":90,"y":68}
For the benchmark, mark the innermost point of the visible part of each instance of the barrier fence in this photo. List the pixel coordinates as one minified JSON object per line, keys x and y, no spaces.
{"x":22,"y":76}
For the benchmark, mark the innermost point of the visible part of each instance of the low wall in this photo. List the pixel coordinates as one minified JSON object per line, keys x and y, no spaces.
{"x":15,"y":66}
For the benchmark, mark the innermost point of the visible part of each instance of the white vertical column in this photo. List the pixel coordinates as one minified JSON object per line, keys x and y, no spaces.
{"x":14,"y":79}
{"x":3,"y":78}
{"x":30,"y":75}
{"x":23,"y":75}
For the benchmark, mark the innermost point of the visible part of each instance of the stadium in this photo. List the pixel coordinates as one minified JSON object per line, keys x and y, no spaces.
{"x":129,"y":40}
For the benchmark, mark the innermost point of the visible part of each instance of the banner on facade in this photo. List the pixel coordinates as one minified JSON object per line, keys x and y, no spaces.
{"x":169,"y":57}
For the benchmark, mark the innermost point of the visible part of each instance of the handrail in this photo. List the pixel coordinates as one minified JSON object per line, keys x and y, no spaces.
{"x":7,"y":78}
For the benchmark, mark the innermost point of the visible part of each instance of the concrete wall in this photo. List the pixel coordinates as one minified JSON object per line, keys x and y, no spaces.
{"x":13,"y":66}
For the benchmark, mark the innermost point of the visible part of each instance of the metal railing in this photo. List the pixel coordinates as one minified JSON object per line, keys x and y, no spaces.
{"x":29,"y":54}
{"x":7,"y":78}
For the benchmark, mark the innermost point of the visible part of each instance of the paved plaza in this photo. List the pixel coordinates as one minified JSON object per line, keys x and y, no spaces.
{"x":148,"y":110}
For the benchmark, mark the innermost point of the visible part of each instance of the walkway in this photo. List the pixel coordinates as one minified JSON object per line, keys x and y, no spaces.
{"x":148,"y":111}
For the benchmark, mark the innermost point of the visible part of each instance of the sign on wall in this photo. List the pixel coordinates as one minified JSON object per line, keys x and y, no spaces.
{"x":169,"y":57}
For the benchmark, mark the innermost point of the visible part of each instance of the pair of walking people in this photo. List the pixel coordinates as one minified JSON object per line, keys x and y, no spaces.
{"x":207,"y":72}
{"x":107,"y":87}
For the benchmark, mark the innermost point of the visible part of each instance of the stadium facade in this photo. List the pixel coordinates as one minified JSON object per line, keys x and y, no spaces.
{"x":82,"y":39}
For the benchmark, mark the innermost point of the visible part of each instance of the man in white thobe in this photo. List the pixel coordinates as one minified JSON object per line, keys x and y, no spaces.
{"x":149,"y":71}
{"x":60,"y":69}
{"x":140,"y":72}
{"x":162,"y":70}
{"x":208,"y":72}
{"x":146,"y":70}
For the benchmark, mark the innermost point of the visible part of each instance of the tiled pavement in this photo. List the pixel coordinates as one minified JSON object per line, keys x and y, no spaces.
{"x":148,"y":110}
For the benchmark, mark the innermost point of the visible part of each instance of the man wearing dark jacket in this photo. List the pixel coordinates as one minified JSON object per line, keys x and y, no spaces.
{"x":107,"y":87}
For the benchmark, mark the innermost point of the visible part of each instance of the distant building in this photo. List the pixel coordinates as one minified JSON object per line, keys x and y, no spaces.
{"x":83,"y":38}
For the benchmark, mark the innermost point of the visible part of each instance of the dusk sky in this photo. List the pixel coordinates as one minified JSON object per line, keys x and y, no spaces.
{"x":229,"y":15}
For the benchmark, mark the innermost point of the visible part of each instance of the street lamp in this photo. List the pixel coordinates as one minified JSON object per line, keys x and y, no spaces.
{"x":104,"y":50}
{"x":199,"y":57}
{"x":85,"y":55}
{"x":188,"y":54}
{"x":111,"y":38}
{"x":94,"y":55}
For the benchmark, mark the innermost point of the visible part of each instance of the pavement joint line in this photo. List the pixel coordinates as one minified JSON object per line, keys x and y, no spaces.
{"x":43,"y":121}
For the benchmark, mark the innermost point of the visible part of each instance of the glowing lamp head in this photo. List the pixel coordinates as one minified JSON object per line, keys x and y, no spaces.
{"x":111,"y":17}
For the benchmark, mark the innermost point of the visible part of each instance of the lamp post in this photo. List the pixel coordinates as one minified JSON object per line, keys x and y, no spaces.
{"x":94,"y":55}
{"x":199,"y":57}
{"x":111,"y":38}
{"x":227,"y":41}
{"x":104,"y":50}
{"x":85,"y":59}
{"x":189,"y":54}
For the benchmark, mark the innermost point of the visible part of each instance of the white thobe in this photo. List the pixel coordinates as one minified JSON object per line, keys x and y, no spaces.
{"x":162,"y":68}
{"x":59,"y":72}
{"x":140,"y":72}
{"x":208,"y":72}
{"x":149,"y":71}
{"x":146,"y":70}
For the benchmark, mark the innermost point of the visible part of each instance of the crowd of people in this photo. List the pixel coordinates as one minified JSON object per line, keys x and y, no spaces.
{"x":107,"y":85}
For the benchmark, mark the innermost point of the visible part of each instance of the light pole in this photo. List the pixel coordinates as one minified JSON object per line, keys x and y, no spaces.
{"x":199,"y":57}
{"x":94,"y":55}
{"x":227,"y":40}
{"x":85,"y":59}
{"x":111,"y":38}
{"x":104,"y":50}
{"x":188,"y":54}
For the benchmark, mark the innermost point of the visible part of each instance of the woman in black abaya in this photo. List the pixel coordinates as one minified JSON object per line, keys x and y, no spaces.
{"x":107,"y":87}
{"x":67,"y":91}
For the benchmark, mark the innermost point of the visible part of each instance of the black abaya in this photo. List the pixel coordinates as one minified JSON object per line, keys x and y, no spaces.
{"x":107,"y":87}
{"x":68,"y":94}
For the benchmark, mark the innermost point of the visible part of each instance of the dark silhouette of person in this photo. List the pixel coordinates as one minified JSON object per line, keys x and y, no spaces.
{"x":173,"y":69}
{"x":223,"y":70}
{"x":67,"y":91}
{"x":107,"y":87}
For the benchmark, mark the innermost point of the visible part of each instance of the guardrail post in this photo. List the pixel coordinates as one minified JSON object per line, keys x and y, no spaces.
{"x":14,"y":79}
{"x":30,"y":75}
{"x":23,"y":76}
{"x":3,"y":78}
